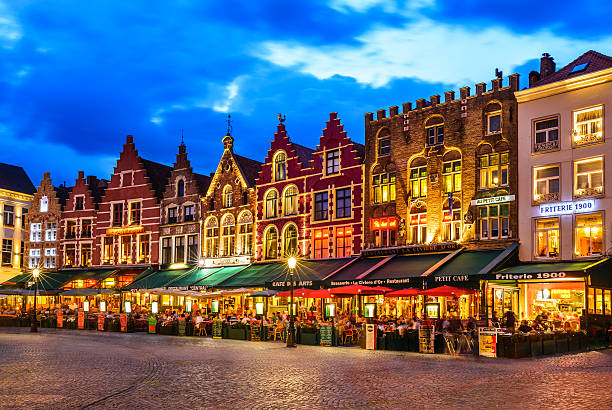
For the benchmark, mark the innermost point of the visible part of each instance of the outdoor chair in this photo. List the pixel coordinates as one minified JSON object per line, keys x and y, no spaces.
{"x":200,"y":330}
{"x":279,"y":331}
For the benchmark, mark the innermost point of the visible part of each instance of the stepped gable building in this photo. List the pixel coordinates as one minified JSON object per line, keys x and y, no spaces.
{"x":228,"y":209}
{"x":43,"y":220}
{"x":16,"y":192}
{"x":78,"y":225}
{"x":282,"y":198}
{"x":444,"y":172}
{"x":335,"y":194}
{"x":181,"y":212}
{"x":127,"y":228}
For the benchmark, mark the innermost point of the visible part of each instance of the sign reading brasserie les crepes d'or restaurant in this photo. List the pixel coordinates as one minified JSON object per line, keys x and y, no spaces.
{"x":125,"y":230}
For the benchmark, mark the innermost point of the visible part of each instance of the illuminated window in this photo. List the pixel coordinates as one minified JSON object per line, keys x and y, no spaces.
{"x":290,"y":241}
{"x":86,"y":254}
{"x":228,"y":235}
{"x":280,"y":166}
{"x":383,"y":187}
{"x":49,"y":260}
{"x":451,"y":221}
{"x":228,"y":197}
{"x":494,"y":120}
{"x":71,"y":229}
{"x":332,"y":161}
{"x":493,"y":169}
{"x":9,"y":215}
{"x":547,"y":238}
{"x":271,"y":244}
{"x":135,"y":213}
{"x":418,"y":178}
{"x":321,"y":243}
{"x":34,"y":261}
{"x":144,"y":251}
{"x":44,"y":204}
{"x":117,"y":214}
{"x":166,"y":251}
{"x":290,"y":201}
{"x":384,"y":143}
{"x":7,"y":252}
{"x":546,"y":184}
{"x":494,"y":221}
{"x":588,"y":177}
{"x":212,"y":238}
{"x":343,"y":203}
{"x":434,"y":129}
{"x":271,"y":204}
{"x":418,"y":223}
{"x":546,"y":134}
{"x":179,"y":249}
{"x":320,"y":206}
{"x":588,"y":125}
{"x":51,"y":232}
{"x":108,"y":250}
{"x":245,"y":234}
{"x":343,"y":242}
{"x":126,"y":249}
{"x":589,"y":235}
{"x":192,"y":248}
{"x":451,"y":172}
{"x":383,"y":231}
{"x":35,"y":232}
{"x":70,"y":255}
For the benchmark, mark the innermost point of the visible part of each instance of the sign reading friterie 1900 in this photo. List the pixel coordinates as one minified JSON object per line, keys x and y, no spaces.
{"x":561,"y":208}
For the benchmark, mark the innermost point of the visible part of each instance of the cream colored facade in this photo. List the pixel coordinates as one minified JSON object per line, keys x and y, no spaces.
{"x":12,"y":232}
{"x":581,"y":207}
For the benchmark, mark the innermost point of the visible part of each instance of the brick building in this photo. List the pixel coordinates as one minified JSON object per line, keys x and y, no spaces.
{"x":444,"y":171}
{"x":228,"y":209}
{"x":78,"y":223}
{"x":282,"y":198}
{"x":181,"y":213}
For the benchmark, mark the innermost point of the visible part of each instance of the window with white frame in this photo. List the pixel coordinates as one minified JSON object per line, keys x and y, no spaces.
{"x":85,"y":254}
{"x":188,"y":213}
{"x":144,"y":250}
{"x":49,"y":260}
{"x":290,"y":241}
{"x":79,"y":203}
{"x":451,"y":220}
{"x":271,"y":243}
{"x":8,"y":215}
{"x":589,"y":235}
{"x":493,"y":169}
{"x":135,"y":213}
{"x":343,"y":241}
{"x":51,"y":232}
{"x":166,"y":250}
{"x":212,"y":238}
{"x":245,"y":234}
{"x":228,"y":197}
{"x":332,"y":162}
{"x":546,"y":184}
{"x":343,"y":203}
{"x":117,"y":214}
{"x":290,"y":201}
{"x":451,"y":172}
{"x":70,"y":255}
{"x":172,"y":215}
{"x":494,"y":221}
{"x":321,"y":243}
{"x":180,"y":188}
{"x":547,"y":238}
{"x":588,"y":125}
{"x":418,"y":223}
{"x":34,"y":260}
{"x":228,"y":235}
{"x":320,"y":206}
{"x":280,"y":166}
{"x":588,"y":177}
{"x":383,"y":188}
{"x":546,"y":134}
{"x":44,"y":204}
{"x":126,"y":249}
{"x":179,"y":249}
{"x":108,"y":250}
{"x":86,"y":225}
{"x":36,"y":232}
{"x":192,"y":248}
{"x":270,"y":204}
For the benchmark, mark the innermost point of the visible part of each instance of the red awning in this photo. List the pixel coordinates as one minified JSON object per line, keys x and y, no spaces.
{"x":297,"y":293}
{"x":383,"y":288}
{"x":355,"y":290}
{"x":320,"y":293}
{"x":402,"y":293}
{"x":447,"y":291}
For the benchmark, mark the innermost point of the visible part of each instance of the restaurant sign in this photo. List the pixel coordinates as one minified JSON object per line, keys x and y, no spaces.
{"x":487,"y":341}
{"x":412,"y":249}
{"x":563,"y":208}
{"x":493,"y":200}
{"x":377,"y":282}
{"x":296,"y":284}
{"x":453,"y":278}
{"x":125,"y":230}
{"x":229,"y":261}
{"x":534,"y":275}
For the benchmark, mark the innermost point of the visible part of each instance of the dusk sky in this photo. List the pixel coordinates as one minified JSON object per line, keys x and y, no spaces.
{"x":77,"y":76}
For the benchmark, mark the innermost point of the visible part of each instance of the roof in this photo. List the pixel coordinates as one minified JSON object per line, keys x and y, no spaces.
{"x":360,"y":148}
{"x":596,"y":62}
{"x":192,"y":277}
{"x":14,"y":178}
{"x":304,"y":154}
{"x":97,"y":188}
{"x":158,"y":176}
{"x":468,"y":262}
{"x":157,"y":279}
{"x":356,"y":268}
{"x":203,"y":182}
{"x":254,"y":275}
{"x":62,"y":193}
{"x":249,"y":168}
{"x":407,"y":266}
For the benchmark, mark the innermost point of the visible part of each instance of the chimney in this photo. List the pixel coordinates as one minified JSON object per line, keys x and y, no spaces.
{"x":129,"y":139}
{"x":393,"y":111}
{"x":81,"y":174}
{"x":380,"y":114}
{"x":514,"y":81}
{"x":534,"y":77}
{"x":407,"y":107}
{"x":496,"y":84}
{"x":420,"y":103}
{"x":368,"y":117}
{"x":547,"y":65}
{"x":449,"y":96}
{"x":481,"y":88}
{"x":333,"y":115}
{"x":464,"y":92}
{"x":435,"y":99}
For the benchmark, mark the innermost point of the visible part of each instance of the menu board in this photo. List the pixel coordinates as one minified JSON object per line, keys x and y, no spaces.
{"x":487,"y":341}
{"x":426,"y":339}
{"x":101,"y":322}
{"x":255,"y":331}
{"x":326,"y":333}
{"x":123,"y":322}
{"x":152,"y":324}
{"x":181,"y":326}
{"x":217,"y":329}
{"x":81,"y":320}
{"x":60,"y":319}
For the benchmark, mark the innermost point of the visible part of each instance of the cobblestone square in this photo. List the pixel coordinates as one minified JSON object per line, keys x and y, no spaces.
{"x":86,"y":369}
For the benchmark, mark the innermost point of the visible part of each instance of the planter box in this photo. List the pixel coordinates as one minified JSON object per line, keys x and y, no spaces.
{"x":237,"y":334}
{"x":549,"y":346}
{"x":562,"y":343}
{"x":574,"y":342}
{"x":308,"y":339}
{"x":536,"y":345}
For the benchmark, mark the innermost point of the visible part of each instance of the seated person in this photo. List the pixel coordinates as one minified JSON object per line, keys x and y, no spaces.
{"x":524,"y":327}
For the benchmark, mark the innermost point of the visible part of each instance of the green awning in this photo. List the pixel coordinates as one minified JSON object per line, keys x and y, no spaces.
{"x":192,"y":277}
{"x":597,"y":270}
{"x":578,"y":267}
{"x":55,"y":280}
{"x":254,"y":275}
{"x":314,"y":270}
{"x":217,"y":277}
{"x":157,"y":279}
{"x":468,"y":262}
{"x":411,"y":266}
{"x":95,"y":274}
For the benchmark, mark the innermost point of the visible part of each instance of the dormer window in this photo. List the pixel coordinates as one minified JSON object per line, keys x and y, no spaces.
{"x":280,"y":166}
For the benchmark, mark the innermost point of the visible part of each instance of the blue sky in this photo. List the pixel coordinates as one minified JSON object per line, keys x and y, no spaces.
{"x":76,"y":77}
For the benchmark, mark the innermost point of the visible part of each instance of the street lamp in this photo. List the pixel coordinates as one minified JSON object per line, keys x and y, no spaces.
{"x":291,"y":262}
{"x":33,"y":326}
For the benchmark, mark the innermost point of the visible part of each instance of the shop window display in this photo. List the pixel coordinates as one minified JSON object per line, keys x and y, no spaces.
{"x":589,"y":231}
{"x":555,"y":302}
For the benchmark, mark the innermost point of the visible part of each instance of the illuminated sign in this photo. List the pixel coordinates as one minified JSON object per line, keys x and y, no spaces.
{"x":563,"y":208}
{"x":231,"y":261}
{"x":384,"y":223}
{"x":125,"y":230}
{"x":493,"y":200}
{"x":259,"y":308}
{"x":154,"y":307}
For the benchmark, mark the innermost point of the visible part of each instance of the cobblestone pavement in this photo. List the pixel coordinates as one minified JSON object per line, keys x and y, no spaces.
{"x":77,"y":369}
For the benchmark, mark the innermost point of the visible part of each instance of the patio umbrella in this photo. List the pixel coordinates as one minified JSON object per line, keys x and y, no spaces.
{"x":238,"y":291}
{"x":383,"y":288}
{"x":402,"y":293}
{"x":320,"y":293}
{"x":263,"y":293}
{"x":352,"y":290}
{"x":447,"y":291}
{"x":298,"y":293}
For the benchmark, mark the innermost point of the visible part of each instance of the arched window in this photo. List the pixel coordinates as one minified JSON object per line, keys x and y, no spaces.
{"x":44,"y":204}
{"x":418,"y":178}
{"x":270,"y":204}
{"x":245,"y":233}
{"x":228,"y":235}
{"x":290,"y":201}
{"x":271,"y":243}
{"x":418,"y":223}
{"x":228,"y":197}
{"x":384,"y":142}
{"x":212,"y":237}
{"x":451,"y":172}
{"x":451,"y":220}
{"x":280,"y":166}
{"x":434,"y":129}
{"x":290,"y":241}
{"x":493,"y":116}
{"x":180,"y":188}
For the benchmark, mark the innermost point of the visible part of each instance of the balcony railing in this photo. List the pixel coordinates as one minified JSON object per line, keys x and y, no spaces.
{"x":543,"y":198}
{"x":582,"y":139}
{"x":588,"y":192}
{"x":546,"y":146}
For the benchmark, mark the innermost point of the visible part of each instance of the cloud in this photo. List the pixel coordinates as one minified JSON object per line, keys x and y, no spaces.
{"x":10,"y":29}
{"x":426,"y":50}
{"x":231,"y":91}
{"x":406,"y":7}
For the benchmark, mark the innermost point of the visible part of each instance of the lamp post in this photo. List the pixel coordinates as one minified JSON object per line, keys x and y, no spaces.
{"x":291,"y":262}
{"x":33,"y":326}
